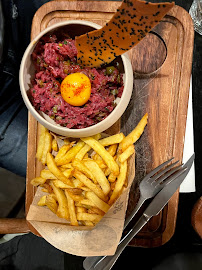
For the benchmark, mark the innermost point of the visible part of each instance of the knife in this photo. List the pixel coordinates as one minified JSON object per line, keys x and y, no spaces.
{"x":157,"y":204}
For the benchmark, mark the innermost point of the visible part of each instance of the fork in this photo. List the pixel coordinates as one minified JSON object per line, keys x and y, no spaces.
{"x":151,"y":184}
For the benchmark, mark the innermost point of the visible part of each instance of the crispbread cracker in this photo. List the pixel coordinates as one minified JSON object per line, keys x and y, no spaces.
{"x":129,"y":25}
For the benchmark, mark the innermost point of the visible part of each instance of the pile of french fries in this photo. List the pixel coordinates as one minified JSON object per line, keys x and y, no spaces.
{"x":83,"y":177}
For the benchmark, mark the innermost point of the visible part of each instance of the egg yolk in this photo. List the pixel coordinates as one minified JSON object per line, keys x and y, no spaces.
{"x":76,"y":89}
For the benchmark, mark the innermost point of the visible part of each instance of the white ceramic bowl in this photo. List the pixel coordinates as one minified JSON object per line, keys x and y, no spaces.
{"x":73,"y":27}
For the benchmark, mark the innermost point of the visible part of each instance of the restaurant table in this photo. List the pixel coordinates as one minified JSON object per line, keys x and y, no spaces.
{"x":182,"y":251}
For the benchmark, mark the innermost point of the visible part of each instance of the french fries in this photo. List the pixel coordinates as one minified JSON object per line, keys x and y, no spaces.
{"x":85,"y":176}
{"x":135,"y":134}
{"x":99,"y":175}
{"x":108,"y":159}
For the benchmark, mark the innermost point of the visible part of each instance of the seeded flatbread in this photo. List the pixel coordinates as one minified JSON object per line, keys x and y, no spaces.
{"x":129,"y":25}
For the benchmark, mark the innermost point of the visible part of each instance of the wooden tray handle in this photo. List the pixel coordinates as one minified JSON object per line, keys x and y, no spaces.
{"x":13,"y":225}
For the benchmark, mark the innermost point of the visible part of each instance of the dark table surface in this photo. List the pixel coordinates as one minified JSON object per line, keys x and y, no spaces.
{"x":183,"y":251}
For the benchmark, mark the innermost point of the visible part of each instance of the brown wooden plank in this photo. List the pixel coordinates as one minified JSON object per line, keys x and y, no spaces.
{"x":162,"y":92}
{"x":13,"y":225}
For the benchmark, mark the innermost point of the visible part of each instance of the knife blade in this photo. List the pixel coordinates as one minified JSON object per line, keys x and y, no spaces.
{"x":157,"y":204}
{"x":162,"y":198}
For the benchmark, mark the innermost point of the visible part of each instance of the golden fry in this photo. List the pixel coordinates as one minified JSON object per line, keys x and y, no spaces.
{"x":117,"y":138}
{"x":72,"y":210}
{"x":40,"y":146}
{"x":90,"y":217}
{"x":51,"y":203}
{"x":112,"y":177}
{"x":120,"y":182}
{"x":77,"y":183}
{"x":135,"y":134}
{"x":80,"y":155}
{"x":55,"y":170}
{"x":47,"y":147}
{"x":62,"y":151}
{"x":38,"y":181}
{"x":68,"y":157}
{"x":85,"y":203}
{"x":75,"y":197}
{"x":60,"y":184}
{"x":87,"y":182}
{"x":95,"y":210}
{"x":54,"y":145}
{"x":77,"y":164}
{"x":99,"y":175}
{"x":80,"y":209}
{"x":42,"y":201}
{"x":108,"y":159}
{"x":46,"y":174}
{"x":97,"y":201}
{"x":101,"y":164}
{"x":112,"y":149}
{"x":62,"y":210}
{"x":127,"y":153}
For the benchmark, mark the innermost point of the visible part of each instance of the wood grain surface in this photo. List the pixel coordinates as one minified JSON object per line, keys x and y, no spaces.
{"x":162,"y":69}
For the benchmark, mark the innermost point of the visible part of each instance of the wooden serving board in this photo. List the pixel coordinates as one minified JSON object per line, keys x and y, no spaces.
{"x":162,"y":68}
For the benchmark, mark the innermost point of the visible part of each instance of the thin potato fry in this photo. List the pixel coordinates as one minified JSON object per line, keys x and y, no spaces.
{"x":119,"y":184}
{"x":99,"y":175}
{"x":80,"y":155}
{"x":77,"y":164}
{"x":60,"y":184}
{"x":80,"y":209}
{"x":117,"y":138}
{"x":38,"y":181}
{"x":97,"y":201}
{"x":127,"y":153}
{"x":107,"y":171}
{"x":40,"y":146}
{"x":108,"y":159}
{"x":76,"y":191}
{"x":76,"y":198}
{"x":47,"y":187}
{"x":112,"y":177}
{"x":46,"y":174}
{"x":87,"y":182}
{"x":51,"y":203}
{"x":77,"y":183}
{"x":89,"y":217}
{"x":62,"y":151}
{"x":54,"y":145}
{"x":68,"y":172}
{"x":47,"y":146}
{"x":55,"y":170}
{"x":112,"y":149}
{"x":135,"y":134}
{"x":45,"y":190}
{"x":62,"y":210}
{"x":68,"y":157}
{"x":72,"y":210}
{"x":66,"y":141}
{"x":101,"y":164}
{"x":85,"y":203}
{"x":95,"y":210}
{"x":67,"y":166}
{"x":42,"y":201}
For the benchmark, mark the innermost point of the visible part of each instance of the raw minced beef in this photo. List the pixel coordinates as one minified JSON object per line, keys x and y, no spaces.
{"x":55,"y":59}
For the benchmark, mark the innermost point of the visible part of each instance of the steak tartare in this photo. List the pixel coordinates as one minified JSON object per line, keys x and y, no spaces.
{"x":54,"y":59}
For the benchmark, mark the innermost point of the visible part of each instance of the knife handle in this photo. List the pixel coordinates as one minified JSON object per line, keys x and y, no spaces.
{"x":107,"y":262}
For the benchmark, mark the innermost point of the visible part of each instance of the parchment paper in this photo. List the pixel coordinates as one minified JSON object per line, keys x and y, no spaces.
{"x":83,"y":241}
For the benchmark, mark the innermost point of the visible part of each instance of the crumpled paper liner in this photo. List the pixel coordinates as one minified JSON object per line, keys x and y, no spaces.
{"x":84,"y":241}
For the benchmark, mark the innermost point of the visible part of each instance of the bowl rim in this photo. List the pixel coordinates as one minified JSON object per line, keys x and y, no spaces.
{"x":125,"y":96}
